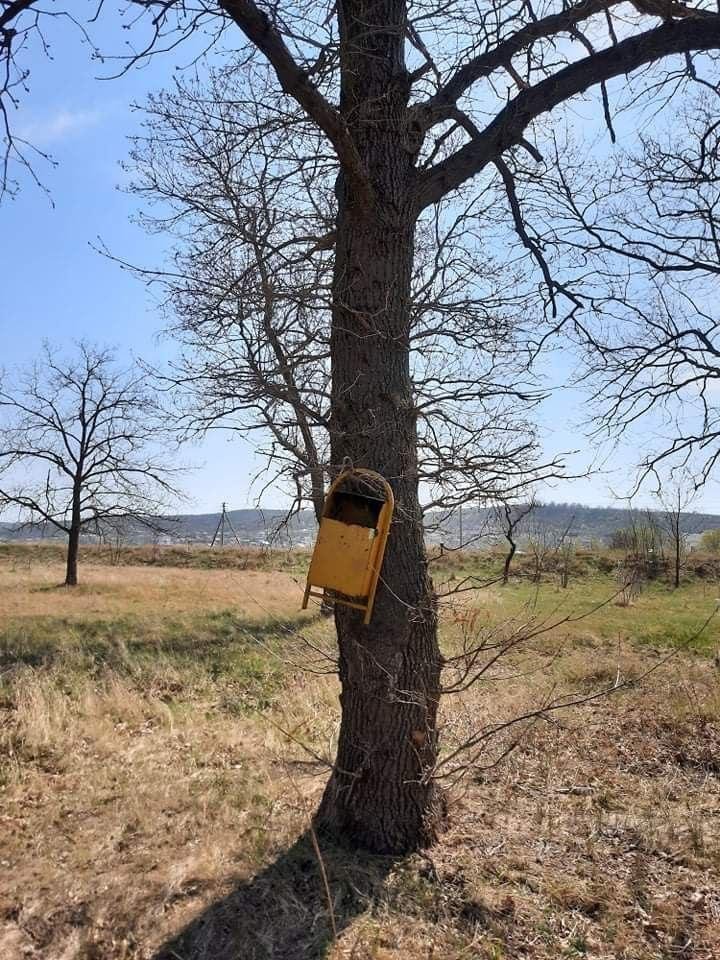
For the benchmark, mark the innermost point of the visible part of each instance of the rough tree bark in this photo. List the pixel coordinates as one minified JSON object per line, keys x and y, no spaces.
{"x":71,"y":564}
{"x":379,"y":793}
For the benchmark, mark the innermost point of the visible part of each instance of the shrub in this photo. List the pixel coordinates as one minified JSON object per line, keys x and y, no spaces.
{"x":710,"y":541}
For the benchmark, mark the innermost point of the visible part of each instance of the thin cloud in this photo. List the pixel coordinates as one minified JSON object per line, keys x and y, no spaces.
{"x":59,"y":126}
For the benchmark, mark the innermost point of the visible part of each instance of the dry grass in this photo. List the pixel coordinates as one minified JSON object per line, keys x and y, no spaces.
{"x":33,"y":589}
{"x":152,"y":808}
{"x":195,"y":556}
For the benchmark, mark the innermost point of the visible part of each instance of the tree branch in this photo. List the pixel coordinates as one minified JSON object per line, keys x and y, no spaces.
{"x":439,"y":107}
{"x":508,"y":127}
{"x":258,"y":28}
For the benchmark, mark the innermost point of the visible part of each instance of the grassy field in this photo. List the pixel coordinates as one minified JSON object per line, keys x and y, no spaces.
{"x":165,"y":731}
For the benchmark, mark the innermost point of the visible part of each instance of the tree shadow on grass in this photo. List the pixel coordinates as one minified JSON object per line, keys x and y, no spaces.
{"x":283,"y":913}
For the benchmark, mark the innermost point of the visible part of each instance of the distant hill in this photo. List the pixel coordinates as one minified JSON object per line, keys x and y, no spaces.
{"x":479,"y":526}
{"x":585,"y":525}
{"x":258,"y":527}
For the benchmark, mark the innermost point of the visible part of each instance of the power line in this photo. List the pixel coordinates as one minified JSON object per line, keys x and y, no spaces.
{"x":220,"y":529}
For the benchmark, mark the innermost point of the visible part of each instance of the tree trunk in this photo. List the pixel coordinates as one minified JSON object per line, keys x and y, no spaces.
{"x":508,"y":559}
{"x":381,"y":794}
{"x":71,"y":574}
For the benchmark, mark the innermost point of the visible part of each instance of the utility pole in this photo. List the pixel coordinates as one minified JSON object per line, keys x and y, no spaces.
{"x":220,"y":529}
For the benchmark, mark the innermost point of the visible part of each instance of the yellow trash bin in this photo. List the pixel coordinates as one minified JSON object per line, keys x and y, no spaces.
{"x":350,"y":546}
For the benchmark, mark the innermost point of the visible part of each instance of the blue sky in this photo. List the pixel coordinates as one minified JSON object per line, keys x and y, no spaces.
{"x":56,"y":286}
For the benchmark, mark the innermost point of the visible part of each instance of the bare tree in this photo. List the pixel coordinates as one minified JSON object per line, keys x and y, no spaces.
{"x":418,"y":105}
{"x":643,"y":543}
{"x":638,"y":237}
{"x":564,"y":553}
{"x":406,"y":142}
{"x":249,"y":293}
{"x":675,"y":502}
{"x":551,"y":548}
{"x":80,"y":447}
{"x":510,"y":516}
{"x":541,"y":543}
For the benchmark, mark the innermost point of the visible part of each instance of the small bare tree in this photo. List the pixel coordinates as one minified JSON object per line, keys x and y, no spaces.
{"x":643,"y":542}
{"x":510,"y":516}
{"x":551,"y":548}
{"x":540,"y":546}
{"x":81,"y":446}
{"x":564,"y":553}
{"x":675,"y":502}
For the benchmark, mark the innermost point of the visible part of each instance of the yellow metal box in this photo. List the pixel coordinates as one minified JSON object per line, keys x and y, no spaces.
{"x":350,"y":546}
{"x":342,"y":557}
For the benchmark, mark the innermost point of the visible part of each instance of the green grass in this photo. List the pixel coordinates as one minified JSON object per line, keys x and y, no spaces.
{"x":659,"y":615}
{"x":216,"y":654}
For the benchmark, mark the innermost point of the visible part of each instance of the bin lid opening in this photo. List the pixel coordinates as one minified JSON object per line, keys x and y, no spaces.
{"x":354,"y":508}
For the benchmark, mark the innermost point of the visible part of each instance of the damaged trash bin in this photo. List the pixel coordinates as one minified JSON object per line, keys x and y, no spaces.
{"x":351,"y":541}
